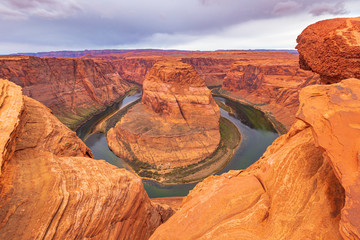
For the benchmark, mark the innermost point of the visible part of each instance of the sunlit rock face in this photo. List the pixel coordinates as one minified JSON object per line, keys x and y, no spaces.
{"x":51,"y":188}
{"x":271,"y":82}
{"x":334,"y":115}
{"x":74,"y":89}
{"x":176,"y":123}
{"x":331,"y":48}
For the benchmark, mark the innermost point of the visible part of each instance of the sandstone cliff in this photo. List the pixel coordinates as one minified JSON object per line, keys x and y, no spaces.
{"x":272,"y":84}
{"x":74,"y":89}
{"x":331,"y":48}
{"x":292,"y":192}
{"x":51,"y":189}
{"x":176,"y":124}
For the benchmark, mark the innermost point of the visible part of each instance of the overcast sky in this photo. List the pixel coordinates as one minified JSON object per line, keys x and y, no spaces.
{"x":45,"y":25}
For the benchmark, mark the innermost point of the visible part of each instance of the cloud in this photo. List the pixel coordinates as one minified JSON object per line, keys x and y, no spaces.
{"x":322,"y":8}
{"x":94,"y":24}
{"x":287,"y":7}
{"x":44,"y":8}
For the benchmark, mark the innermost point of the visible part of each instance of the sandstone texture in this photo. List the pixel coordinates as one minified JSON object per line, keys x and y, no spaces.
{"x":336,"y":129}
{"x":176,"y":124}
{"x":270,"y":83}
{"x":331,"y":48}
{"x":50,"y":188}
{"x":290,"y":193}
{"x":305,"y":186}
{"x":74,"y":89}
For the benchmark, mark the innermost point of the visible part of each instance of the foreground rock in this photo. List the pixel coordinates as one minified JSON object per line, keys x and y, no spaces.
{"x":74,"y":89}
{"x":336,"y":131}
{"x":177,"y":123}
{"x":290,"y":193}
{"x":331,"y":48}
{"x":50,"y":188}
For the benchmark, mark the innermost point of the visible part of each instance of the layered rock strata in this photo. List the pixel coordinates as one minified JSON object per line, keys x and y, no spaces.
{"x":331,"y":48}
{"x":305,"y":186}
{"x":74,"y":89}
{"x":272,"y":85}
{"x":50,"y":188}
{"x":176,"y":124}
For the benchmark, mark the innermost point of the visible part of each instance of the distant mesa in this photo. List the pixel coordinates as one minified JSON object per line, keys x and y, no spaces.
{"x":176,"y":124}
{"x":331,"y":48}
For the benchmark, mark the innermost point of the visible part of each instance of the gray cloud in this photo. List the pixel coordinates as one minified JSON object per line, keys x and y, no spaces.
{"x":287,"y":7}
{"x":96,"y":24}
{"x":327,"y":8}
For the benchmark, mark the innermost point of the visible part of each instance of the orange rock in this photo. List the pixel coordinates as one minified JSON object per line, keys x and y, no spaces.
{"x":290,"y":193}
{"x":270,"y":82}
{"x":331,"y":48}
{"x":176,"y":124}
{"x":50,"y":188}
{"x":11,"y":110}
{"x":333,"y":112}
{"x":74,"y":89}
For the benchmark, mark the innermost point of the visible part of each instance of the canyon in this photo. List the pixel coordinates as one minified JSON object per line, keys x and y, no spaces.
{"x":305,"y":186}
{"x":53,"y":189}
{"x":177,"y":108}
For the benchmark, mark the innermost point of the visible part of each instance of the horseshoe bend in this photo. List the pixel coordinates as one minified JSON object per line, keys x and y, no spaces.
{"x":197,"y":109}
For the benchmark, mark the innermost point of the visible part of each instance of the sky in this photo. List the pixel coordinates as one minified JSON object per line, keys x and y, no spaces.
{"x":52,"y":25}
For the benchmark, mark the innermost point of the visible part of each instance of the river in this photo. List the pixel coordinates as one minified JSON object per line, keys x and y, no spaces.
{"x":256,"y":131}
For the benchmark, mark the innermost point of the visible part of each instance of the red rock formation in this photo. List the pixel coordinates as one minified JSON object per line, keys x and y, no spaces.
{"x":51,"y":189}
{"x":177,"y":123}
{"x":290,"y":193}
{"x":336,"y":129}
{"x":74,"y":89}
{"x":331,"y":48}
{"x":271,"y":83}
{"x":134,"y":69}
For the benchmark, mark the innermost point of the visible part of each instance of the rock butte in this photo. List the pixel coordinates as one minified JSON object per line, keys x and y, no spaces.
{"x":331,"y":48}
{"x":51,"y":189}
{"x":176,"y":124}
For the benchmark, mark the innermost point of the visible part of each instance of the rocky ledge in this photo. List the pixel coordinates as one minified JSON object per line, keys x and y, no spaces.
{"x":51,"y":188}
{"x":176,"y":124}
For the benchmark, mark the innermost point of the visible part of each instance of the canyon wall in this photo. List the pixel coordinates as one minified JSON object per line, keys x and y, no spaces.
{"x":305,"y":186}
{"x":50,"y":188}
{"x":272,"y":85}
{"x":177,"y":109}
{"x":307,"y":183}
{"x":74,"y":89}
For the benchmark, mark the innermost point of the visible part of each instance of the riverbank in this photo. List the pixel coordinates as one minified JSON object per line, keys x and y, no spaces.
{"x":278,"y":126}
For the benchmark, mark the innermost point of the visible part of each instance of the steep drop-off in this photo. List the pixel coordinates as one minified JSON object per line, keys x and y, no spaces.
{"x":331,"y":48}
{"x":74,"y":89}
{"x":51,"y":189}
{"x":270,"y":84}
{"x":177,"y":123}
{"x":292,"y":192}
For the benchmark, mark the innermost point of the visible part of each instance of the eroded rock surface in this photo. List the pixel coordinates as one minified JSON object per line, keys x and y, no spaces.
{"x":74,"y":89}
{"x":51,"y":189}
{"x":176,"y":124}
{"x":331,"y":48}
{"x":336,"y":129}
{"x":290,"y":193}
{"x":305,"y":186}
{"x":271,"y":83}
